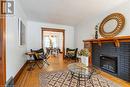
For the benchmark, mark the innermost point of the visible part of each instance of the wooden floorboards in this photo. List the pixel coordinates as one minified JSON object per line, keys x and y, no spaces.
{"x":31,"y":78}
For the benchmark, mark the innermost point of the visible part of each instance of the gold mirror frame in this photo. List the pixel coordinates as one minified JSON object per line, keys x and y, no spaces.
{"x":120,"y":25}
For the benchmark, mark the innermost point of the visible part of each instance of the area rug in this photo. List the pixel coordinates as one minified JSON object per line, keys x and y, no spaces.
{"x":63,"y":79}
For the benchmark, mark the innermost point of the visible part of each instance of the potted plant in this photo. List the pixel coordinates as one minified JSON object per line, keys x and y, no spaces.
{"x":83,"y":53}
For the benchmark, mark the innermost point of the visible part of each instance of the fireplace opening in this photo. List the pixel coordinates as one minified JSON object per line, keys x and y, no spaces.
{"x":109,"y":64}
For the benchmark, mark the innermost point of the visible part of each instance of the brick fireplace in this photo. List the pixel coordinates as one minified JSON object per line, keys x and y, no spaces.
{"x":122,"y":54}
{"x":111,"y":56}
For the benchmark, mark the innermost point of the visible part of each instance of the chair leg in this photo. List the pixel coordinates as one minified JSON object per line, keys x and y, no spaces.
{"x":46,"y":62}
{"x":39,"y":65}
{"x":41,"y":62}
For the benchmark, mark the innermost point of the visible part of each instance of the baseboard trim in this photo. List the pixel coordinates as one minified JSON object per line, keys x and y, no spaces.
{"x":20,"y":72}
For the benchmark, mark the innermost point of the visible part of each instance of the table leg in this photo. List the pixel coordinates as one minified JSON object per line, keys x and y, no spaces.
{"x":78,"y":81}
{"x":90,"y":80}
{"x":85,"y":81}
{"x":71,"y":79}
{"x":31,"y":65}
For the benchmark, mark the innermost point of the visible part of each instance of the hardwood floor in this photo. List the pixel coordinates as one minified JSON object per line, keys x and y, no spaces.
{"x":31,"y":78}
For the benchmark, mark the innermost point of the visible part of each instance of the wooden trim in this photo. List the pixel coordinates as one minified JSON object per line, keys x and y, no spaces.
{"x":20,"y":72}
{"x":88,"y":45}
{"x":108,"y":39}
{"x":54,"y":30}
{"x":42,"y":38}
{"x":2,"y":49}
{"x":116,"y":40}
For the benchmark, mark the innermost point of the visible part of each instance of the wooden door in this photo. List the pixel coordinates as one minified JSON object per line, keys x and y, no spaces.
{"x":2,"y":51}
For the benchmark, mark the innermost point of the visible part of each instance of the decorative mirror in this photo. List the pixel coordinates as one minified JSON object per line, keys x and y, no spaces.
{"x":112,"y":25}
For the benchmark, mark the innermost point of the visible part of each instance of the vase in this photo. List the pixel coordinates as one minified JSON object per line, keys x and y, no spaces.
{"x":96,"y":31}
{"x":84,"y":60}
{"x":96,"y":35}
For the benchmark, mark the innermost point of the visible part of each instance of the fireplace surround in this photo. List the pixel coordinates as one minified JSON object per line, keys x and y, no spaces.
{"x":118,"y":46}
{"x":122,"y":54}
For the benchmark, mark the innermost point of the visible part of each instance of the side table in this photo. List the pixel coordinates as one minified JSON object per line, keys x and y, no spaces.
{"x":31,"y":65}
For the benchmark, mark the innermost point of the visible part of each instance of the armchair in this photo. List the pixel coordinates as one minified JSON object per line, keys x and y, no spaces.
{"x":40,"y":57}
{"x":71,"y":53}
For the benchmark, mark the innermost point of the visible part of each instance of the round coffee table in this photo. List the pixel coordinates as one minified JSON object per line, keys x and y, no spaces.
{"x":81,"y":72}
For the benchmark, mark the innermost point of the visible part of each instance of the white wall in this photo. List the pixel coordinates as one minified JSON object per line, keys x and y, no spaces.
{"x":86,"y":29}
{"x":15,"y":54}
{"x":34,"y":34}
{"x":15,"y":57}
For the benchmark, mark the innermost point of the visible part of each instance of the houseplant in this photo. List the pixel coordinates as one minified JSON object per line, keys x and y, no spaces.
{"x":83,"y":54}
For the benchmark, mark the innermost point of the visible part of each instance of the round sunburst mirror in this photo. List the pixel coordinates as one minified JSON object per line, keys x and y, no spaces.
{"x":112,"y":25}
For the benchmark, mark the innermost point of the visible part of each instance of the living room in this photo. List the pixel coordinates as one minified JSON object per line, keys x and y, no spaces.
{"x":83,"y":26}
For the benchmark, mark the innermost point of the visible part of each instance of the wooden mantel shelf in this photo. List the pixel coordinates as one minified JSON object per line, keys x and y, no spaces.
{"x":100,"y":41}
{"x":116,"y":40}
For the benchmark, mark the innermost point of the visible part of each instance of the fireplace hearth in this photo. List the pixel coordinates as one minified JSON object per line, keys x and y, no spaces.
{"x":109,"y":64}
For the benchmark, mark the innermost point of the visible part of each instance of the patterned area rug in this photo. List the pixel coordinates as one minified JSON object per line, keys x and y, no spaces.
{"x":63,"y":79}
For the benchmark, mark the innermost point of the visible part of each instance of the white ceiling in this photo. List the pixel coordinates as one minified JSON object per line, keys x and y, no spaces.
{"x":68,"y":12}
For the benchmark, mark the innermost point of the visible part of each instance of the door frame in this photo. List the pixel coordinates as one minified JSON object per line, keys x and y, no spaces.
{"x":2,"y":49}
{"x":54,"y":30}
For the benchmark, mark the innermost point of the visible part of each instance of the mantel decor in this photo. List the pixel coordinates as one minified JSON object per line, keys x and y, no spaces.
{"x":96,"y":31}
{"x":112,"y":25}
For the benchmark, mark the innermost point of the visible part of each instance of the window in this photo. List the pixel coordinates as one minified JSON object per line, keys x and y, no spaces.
{"x":54,"y":41}
{"x":46,"y":41}
{"x":50,"y":40}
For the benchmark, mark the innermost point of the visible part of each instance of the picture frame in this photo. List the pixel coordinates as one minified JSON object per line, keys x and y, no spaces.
{"x":21,"y":32}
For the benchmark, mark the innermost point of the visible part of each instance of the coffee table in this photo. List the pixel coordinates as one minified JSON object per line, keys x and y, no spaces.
{"x":81,"y":72}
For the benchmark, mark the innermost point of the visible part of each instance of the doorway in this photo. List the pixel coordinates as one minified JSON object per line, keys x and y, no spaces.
{"x":53,"y":39}
{"x":2,"y":50}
